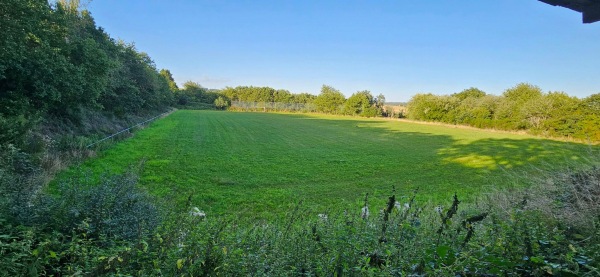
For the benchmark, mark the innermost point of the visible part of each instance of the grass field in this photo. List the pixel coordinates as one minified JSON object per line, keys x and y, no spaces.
{"x":263,"y":163}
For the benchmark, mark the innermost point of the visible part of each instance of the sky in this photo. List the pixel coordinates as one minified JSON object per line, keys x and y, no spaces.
{"x":397,"y":48}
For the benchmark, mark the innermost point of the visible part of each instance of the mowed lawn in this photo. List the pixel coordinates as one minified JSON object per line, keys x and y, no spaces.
{"x":264,"y":163}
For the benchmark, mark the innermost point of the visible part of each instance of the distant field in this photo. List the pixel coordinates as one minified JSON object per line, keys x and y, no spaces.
{"x":262,"y":163}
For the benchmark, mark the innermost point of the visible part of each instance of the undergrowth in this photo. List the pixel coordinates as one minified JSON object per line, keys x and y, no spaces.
{"x":115,"y":228}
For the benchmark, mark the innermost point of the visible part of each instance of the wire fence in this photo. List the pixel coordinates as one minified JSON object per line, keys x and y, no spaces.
{"x":273,"y":106}
{"x":127,"y":129}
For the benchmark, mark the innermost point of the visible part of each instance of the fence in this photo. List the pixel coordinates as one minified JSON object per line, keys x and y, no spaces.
{"x":126,"y":129}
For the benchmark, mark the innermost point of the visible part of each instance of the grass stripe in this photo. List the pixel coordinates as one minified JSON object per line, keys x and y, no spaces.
{"x":261,"y":163}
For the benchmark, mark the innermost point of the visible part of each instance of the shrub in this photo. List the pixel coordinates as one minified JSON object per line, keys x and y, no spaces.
{"x":19,"y":182}
{"x":404,"y":238}
{"x":114,"y":208}
{"x":80,"y":230}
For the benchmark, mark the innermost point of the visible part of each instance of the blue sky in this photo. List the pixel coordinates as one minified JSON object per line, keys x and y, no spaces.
{"x":397,"y":48}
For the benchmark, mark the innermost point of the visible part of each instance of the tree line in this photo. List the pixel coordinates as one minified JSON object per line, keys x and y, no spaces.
{"x":55,"y":63}
{"x":330,"y":100}
{"x":522,"y":107}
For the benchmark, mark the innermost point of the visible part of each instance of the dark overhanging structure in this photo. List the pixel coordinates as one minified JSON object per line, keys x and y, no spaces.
{"x":590,"y":9}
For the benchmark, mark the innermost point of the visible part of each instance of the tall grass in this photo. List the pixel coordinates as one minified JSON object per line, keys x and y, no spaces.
{"x":507,"y":235}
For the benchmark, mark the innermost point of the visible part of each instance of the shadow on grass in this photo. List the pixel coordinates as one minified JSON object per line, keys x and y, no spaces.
{"x":486,"y":153}
{"x":438,"y":162}
{"x":493,"y":154}
{"x":257,"y":161}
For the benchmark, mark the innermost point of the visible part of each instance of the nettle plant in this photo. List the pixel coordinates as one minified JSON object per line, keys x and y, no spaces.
{"x":402,"y":238}
{"x":115,"y":228}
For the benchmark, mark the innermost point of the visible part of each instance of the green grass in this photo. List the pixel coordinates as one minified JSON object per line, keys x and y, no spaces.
{"x":262,"y":163}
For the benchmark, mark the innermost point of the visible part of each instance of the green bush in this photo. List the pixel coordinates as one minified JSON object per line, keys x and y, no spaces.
{"x":523,"y":107}
{"x":78,"y":230}
{"x":404,"y":238}
{"x":113,"y":208}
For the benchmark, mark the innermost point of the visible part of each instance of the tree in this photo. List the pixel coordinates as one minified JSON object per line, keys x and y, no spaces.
{"x":380,"y":101}
{"x":192,"y":86}
{"x":221,"y":103}
{"x":536,"y":111}
{"x":330,"y":100}
{"x":380,"y":105}
{"x":55,"y":62}
{"x":165,"y":73}
{"x":23,"y":100}
{"x":431,"y":107}
{"x":282,"y":96}
{"x":231,"y":93}
{"x":469,"y":93}
{"x":193,"y":90}
{"x":304,"y":98}
{"x":418,"y":106}
{"x":592,"y":104}
{"x":590,"y":125}
{"x":522,"y":93}
{"x":71,"y":6}
{"x":474,"y":111}
{"x":362,"y":103}
{"x":510,"y":113}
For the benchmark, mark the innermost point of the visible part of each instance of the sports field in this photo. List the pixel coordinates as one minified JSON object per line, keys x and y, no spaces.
{"x":263,"y":163}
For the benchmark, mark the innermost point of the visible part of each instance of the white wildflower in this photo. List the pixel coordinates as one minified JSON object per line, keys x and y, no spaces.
{"x":197,"y":213}
{"x":364,"y":212}
{"x":439,"y":209}
{"x":401,"y":207}
{"x":181,"y":239}
{"x":322,"y":217}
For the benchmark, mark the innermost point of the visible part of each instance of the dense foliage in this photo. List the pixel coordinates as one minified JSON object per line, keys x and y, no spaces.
{"x":508,"y":236}
{"x":523,"y":107}
{"x":195,"y":96}
{"x":63,"y":83}
{"x":330,"y":101}
{"x":55,"y":62}
{"x":364,"y":104}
